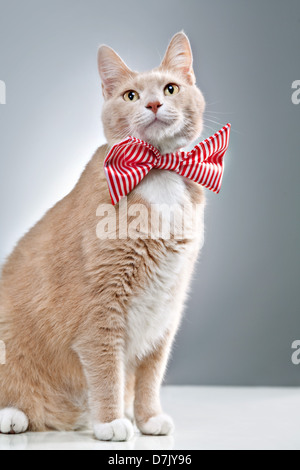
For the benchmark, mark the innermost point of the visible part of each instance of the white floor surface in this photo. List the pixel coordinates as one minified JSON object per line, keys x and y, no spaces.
{"x":205,"y":417}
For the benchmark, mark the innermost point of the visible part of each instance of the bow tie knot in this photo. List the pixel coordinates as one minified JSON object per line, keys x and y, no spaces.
{"x":129,"y":162}
{"x":170,"y":161}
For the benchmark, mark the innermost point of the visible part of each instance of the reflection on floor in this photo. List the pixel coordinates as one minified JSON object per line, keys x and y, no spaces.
{"x":205,"y":418}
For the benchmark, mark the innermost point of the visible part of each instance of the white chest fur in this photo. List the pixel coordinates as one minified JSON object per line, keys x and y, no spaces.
{"x":154,"y":311}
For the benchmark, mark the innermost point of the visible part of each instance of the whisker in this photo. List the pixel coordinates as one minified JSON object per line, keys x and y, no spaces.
{"x":220,"y":124}
{"x":211,"y":129}
{"x":219,"y":112}
{"x":214,"y":122}
{"x":212,"y":104}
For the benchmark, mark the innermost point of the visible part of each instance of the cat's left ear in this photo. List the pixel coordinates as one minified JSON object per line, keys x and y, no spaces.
{"x":179,"y":57}
{"x":112,"y":70}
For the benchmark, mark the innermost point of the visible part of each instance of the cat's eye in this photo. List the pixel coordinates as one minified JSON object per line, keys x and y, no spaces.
{"x":131,"y":95}
{"x":171,"y":89}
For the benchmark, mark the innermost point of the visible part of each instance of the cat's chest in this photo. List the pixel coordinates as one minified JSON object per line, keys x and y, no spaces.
{"x":163,"y":188}
{"x":153,"y":311}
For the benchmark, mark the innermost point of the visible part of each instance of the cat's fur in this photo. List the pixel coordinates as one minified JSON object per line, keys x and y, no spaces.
{"x":88,"y":324}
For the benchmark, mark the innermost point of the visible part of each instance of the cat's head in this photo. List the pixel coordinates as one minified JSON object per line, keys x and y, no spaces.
{"x":163,"y":107}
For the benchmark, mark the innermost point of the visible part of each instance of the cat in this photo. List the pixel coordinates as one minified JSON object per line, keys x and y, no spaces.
{"x":88,"y":323}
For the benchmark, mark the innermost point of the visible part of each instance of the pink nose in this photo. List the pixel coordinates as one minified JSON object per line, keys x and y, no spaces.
{"x":154,"y":106}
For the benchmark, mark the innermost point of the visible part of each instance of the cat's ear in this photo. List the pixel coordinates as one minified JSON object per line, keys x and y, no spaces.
{"x":112,"y":70}
{"x":179,"y":57}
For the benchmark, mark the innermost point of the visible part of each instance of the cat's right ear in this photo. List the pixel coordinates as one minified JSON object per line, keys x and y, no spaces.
{"x":112,"y":70}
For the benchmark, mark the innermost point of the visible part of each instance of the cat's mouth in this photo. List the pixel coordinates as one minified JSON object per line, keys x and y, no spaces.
{"x":157,"y":121}
{"x":159,"y":129}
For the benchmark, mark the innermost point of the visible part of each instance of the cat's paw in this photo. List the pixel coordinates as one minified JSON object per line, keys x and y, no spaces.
{"x":13,"y":421}
{"x":160,"y":425}
{"x":117,"y":430}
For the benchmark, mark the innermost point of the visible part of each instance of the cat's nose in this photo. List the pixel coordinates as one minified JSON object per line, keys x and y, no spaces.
{"x":154,"y":106}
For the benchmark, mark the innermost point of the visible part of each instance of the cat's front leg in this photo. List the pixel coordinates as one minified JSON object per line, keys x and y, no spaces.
{"x":149,"y":416}
{"x":102,"y":360}
{"x":129,"y":395}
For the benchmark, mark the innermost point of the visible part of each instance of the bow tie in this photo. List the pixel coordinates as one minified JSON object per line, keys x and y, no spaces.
{"x":129,"y":162}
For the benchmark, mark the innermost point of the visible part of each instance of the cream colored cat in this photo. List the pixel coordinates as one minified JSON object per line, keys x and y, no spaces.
{"x":88,"y":323}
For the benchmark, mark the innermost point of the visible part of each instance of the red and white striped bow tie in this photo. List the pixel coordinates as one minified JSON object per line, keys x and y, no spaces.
{"x":129,"y":161}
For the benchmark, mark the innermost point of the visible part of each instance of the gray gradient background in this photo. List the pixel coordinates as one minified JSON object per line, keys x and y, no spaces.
{"x":243,"y":312}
